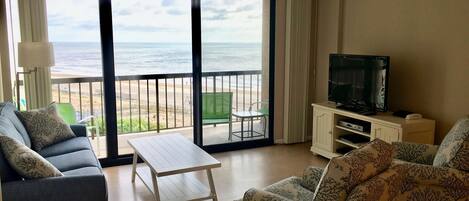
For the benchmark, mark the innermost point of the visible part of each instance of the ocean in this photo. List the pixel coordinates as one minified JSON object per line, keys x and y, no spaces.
{"x":84,"y":59}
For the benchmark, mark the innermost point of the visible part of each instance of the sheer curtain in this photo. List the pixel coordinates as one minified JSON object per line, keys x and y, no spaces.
{"x":33,"y":28}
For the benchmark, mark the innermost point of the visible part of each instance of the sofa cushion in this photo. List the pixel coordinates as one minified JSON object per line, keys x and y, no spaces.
{"x":25,"y":161}
{"x":454,"y":149}
{"x":8,"y":128}
{"x":8,"y":110}
{"x":74,"y":160}
{"x":342,"y":174}
{"x":85,"y":171}
{"x":67,"y":146}
{"x":45,"y":127}
{"x":291,"y":189}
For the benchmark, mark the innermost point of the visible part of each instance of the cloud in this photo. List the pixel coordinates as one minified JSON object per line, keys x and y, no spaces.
{"x":216,"y":17}
{"x":176,"y":12}
{"x":87,"y":26}
{"x":167,"y":3}
{"x":156,"y":20}
{"x":143,"y":28}
{"x":247,"y":7}
{"x":56,"y":20}
{"x":124,"y":12}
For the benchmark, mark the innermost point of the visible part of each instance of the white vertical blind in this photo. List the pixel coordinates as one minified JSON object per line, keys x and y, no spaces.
{"x":297,"y":67}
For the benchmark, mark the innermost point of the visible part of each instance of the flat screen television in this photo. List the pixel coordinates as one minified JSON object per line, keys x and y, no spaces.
{"x":359,"y":82}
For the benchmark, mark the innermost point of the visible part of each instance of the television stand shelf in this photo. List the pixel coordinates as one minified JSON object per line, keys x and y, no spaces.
{"x":327,"y":133}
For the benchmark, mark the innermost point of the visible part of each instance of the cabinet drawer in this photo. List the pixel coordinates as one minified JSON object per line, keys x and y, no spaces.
{"x":386,"y":133}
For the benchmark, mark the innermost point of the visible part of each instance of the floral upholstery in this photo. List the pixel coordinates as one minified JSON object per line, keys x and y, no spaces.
{"x":290,"y":189}
{"x":254,"y":194}
{"x":411,"y":181}
{"x":415,"y":153}
{"x":381,"y":187}
{"x":311,"y":177}
{"x":454,"y":149}
{"x":342,"y":174}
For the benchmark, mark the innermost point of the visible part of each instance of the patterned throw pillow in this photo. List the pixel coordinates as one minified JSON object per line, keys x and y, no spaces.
{"x":454,"y":149}
{"x":343,"y":173}
{"x":45,"y":127}
{"x":26,"y":162}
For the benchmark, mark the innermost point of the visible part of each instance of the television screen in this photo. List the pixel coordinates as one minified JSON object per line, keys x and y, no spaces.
{"x":359,"y":81}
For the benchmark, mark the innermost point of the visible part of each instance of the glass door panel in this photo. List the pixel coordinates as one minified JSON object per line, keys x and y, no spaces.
{"x":234,"y":70}
{"x":153,"y":65}
{"x":77,"y":75}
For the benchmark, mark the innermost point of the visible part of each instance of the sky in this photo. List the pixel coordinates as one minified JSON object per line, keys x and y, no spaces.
{"x":231,"y":21}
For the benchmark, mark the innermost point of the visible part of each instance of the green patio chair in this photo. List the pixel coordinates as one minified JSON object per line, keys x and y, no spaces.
{"x":69,"y":115}
{"x":217,"y":109}
{"x":264,"y":109}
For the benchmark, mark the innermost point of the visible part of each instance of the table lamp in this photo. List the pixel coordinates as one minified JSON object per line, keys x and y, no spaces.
{"x":33,"y":55}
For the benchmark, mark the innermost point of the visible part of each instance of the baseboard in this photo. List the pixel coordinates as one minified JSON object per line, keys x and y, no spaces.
{"x":278,"y":141}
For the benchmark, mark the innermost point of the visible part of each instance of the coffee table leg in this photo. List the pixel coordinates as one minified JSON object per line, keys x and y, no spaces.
{"x":212,"y":185}
{"x":134,"y":166}
{"x":156,"y":192}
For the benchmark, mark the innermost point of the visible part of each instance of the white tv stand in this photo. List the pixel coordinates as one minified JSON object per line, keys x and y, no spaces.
{"x":327,"y":132}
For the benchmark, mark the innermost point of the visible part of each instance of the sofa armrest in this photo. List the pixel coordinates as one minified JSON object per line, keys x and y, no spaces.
{"x":254,"y":194}
{"x":311,"y":177}
{"x":415,"y":153}
{"x":79,"y":130}
{"x":70,"y":188}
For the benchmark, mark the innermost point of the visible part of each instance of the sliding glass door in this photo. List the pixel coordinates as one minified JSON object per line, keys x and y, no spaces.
{"x":140,"y":68}
{"x":153,"y":67}
{"x":234,"y":67}
{"x":77,"y":77}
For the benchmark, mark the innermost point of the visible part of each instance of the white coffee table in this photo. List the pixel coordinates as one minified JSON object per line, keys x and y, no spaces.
{"x":170,"y":162}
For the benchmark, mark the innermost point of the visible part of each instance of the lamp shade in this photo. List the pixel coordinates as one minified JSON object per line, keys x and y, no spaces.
{"x":36,"y":54}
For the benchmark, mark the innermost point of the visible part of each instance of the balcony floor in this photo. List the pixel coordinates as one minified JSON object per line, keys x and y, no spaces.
{"x":212,"y":135}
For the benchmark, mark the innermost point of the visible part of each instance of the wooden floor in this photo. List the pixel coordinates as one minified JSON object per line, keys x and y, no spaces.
{"x":240,"y":171}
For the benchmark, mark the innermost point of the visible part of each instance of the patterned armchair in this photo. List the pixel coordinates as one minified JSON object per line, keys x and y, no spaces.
{"x":424,"y":172}
{"x":334,"y":182}
{"x":418,"y":172}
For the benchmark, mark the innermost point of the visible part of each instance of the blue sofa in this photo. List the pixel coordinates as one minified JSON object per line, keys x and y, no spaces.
{"x":83,"y":178}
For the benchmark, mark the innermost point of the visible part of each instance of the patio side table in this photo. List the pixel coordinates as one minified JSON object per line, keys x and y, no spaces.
{"x":250,"y":115}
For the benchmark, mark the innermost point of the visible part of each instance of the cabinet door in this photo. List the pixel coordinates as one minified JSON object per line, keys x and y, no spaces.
{"x":386,"y":133}
{"x":322,"y":129}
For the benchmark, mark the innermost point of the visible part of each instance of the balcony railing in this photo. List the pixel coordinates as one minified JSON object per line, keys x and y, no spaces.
{"x":156,"y":101}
